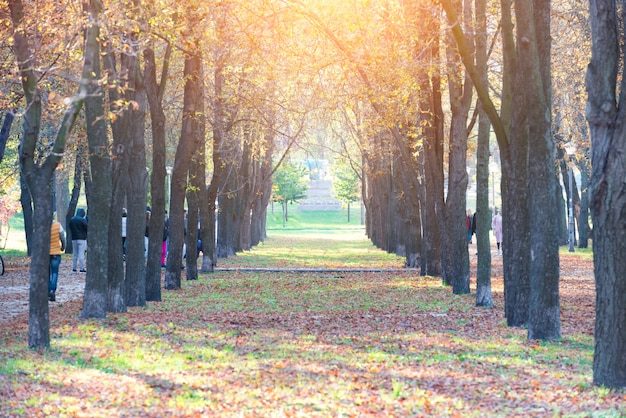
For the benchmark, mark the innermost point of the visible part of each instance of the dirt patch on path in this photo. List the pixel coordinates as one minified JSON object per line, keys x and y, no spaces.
{"x":15,"y":282}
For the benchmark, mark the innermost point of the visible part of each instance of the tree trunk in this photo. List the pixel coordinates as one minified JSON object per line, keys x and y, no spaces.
{"x":263,"y":191}
{"x":181,"y":169}
{"x":135,"y":283}
{"x":116,"y":298}
{"x":209,"y":236}
{"x":95,"y":296}
{"x":27,"y":211}
{"x":608,"y":193}
{"x":38,"y":177}
{"x":432,"y":198}
{"x":248,"y":178}
{"x":583,"y":218}
{"x":154,"y":94}
{"x":191,"y":239}
{"x":9,"y":116}
{"x":196,"y":198}
{"x":482,"y":218}
{"x":62,"y":196}
{"x":544,"y":309}
{"x":515,"y":233}
{"x":456,"y":267}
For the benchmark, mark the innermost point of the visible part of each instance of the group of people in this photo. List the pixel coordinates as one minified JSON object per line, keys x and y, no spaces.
{"x":496,"y":226}
{"x":78,"y":231}
{"x":78,"y":227}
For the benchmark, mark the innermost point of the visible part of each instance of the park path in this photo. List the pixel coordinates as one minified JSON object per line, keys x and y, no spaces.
{"x":14,"y":283}
{"x":14,"y":286}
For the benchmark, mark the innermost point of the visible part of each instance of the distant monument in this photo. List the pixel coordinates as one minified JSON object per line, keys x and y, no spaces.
{"x":319,"y":195}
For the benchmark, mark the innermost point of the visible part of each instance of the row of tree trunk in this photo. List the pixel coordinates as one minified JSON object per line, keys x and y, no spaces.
{"x":116,"y":176}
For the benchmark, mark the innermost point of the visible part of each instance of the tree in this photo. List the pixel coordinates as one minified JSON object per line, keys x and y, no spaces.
{"x":455,"y":255}
{"x":607,"y":191}
{"x":38,"y":175}
{"x":289,"y":185}
{"x":155,"y":90}
{"x":346,"y":183}
{"x":193,"y":85}
{"x":99,"y":198}
{"x":481,"y":217}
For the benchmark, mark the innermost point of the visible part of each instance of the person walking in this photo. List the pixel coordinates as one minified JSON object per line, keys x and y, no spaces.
{"x":165,"y":240}
{"x":474,"y":222}
{"x":78,"y":230}
{"x":468,"y":225}
{"x":57,"y":246}
{"x":147,"y":233}
{"x":124,"y":219}
{"x":496,"y":225}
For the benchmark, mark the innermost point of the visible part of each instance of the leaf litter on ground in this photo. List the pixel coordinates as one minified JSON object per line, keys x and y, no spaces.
{"x":242,"y":343}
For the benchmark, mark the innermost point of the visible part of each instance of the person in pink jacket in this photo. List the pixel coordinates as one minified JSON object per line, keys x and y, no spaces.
{"x":496,"y":225}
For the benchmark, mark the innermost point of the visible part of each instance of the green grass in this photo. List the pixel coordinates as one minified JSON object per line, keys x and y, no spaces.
{"x":584,"y":253}
{"x":310,"y":248}
{"x":15,"y":244}
{"x":297,"y":219}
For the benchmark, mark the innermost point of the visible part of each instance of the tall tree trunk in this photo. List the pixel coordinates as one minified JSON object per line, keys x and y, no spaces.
{"x":229,"y":200}
{"x":248,"y":179}
{"x":515,"y":233}
{"x":38,"y":177}
{"x":456,"y":267}
{"x":263,"y":189}
{"x":181,"y":169}
{"x":95,"y":296}
{"x":608,"y":191}
{"x":533,"y":22}
{"x":116,"y":298}
{"x":154,"y":93}
{"x":209,"y":236}
{"x":432,"y":192}
{"x":483,"y":221}
{"x":196,"y":198}
{"x":135,"y":282}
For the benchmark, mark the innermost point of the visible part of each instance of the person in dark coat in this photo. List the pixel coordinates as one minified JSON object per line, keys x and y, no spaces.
{"x":78,"y":229}
{"x":474,"y":223}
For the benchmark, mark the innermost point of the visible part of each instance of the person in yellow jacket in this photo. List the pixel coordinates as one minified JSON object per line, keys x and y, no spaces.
{"x":57,"y":246}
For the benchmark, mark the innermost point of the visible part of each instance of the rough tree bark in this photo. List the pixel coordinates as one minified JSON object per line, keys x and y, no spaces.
{"x":95,"y":296}
{"x":155,"y":91}
{"x":605,"y":115}
{"x":483,"y":221}
{"x":456,"y":260}
{"x":193,"y":84}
